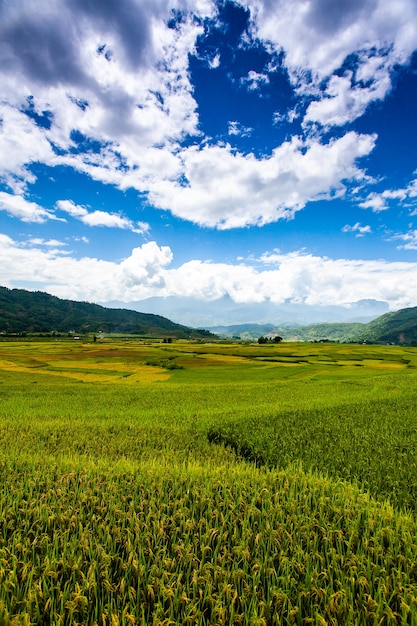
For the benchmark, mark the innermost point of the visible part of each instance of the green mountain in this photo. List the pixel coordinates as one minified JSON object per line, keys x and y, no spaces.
{"x":245,"y":332}
{"x":336,"y":331}
{"x":395,"y":327}
{"x":24,"y":311}
{"x":399,"y":327}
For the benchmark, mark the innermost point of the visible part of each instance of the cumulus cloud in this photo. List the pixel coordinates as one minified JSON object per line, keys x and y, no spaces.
{"x":105,"y":88}
{"x":226,"y":189}
{"x":375,"y":202}
{"x":144,"y":267}
{"x":88,"y":278}
{"x":317,"y":37}
{"x":214,"y":63}
{"x":235,"y":128}
{"x":27,"y":211}
{"x":320,"y":34}
{"x":357,"y":228}
{"x":100,"y":218}
{"x":409,"y":239}
{"x":380,"y":201}
{"x":254,"y":80}
{"x":112,"y":98}
{"x":79,"y":65}
{"x":22,"y":142}
{"x":319,"y":280}
{"x":47,"y":41}
{"x":49,"y":243}
{"x":344,"y":101}
{"x":295,"y":277}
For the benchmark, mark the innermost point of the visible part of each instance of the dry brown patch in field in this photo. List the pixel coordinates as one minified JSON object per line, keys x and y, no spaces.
{"x":92,"y":371}
{"x":386,"y":366}
{"x":9,"y":366}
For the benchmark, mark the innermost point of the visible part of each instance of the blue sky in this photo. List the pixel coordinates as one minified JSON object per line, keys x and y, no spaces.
{"x":263,"y":150}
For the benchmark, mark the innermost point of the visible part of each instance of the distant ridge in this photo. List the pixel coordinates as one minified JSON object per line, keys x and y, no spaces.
{"x":224,"y":311}
{"x":399,"y":327}
{"x":23,"y":311}
{"x":336,"y":331}
{"x":395,"y":327}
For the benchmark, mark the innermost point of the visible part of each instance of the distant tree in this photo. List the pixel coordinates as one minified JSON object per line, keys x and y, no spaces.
{"x":262,"y":340}
{"x":277,"y":339}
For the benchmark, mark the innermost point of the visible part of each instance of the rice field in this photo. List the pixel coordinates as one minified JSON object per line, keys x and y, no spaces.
{"x":145,"y":483}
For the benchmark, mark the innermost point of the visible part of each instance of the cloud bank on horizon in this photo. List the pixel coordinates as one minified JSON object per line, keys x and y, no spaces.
{"x":257,"y":149}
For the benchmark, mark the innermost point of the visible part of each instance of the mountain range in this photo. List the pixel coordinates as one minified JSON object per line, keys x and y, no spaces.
{"x":26,"y":311}
{"x":399,"y":327}
{"x":226,"y":312}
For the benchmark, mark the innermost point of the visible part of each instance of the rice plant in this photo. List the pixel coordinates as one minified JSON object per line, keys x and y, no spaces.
{"x":119,"y":506}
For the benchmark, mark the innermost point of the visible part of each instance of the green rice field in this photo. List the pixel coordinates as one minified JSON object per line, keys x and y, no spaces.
{"x":207,"y":483}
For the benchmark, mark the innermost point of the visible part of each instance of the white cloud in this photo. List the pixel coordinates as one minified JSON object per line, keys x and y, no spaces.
{"x":24,"y":210}
{"x":398,"y":194}
{"x":254,"y":80}
{"x":235,"y":128}
{"x":295,"y":277}
{"x":317,"y":36}
{"x":21,"y":143}
{"x":138,"y":276}
{"x":214,"y":63}
{"x":144,"y":267}
{"x":319,"y":280}
{"x":412,"y":188}
{"x":49,"y":243}
{"x":358,"y":229}
{"x":376,"y":202}
{"x":82,"y":70}
{"x":343,"y":102}
{"x":110,"y":220}
{"x":226,"y":189}
{"x":289,"y":116}
{"x":100,"y":218}
{"x":379,"y":201}
{"x":75,"y":210}
{"x":409,"y":238}
{"x":112,"y":98}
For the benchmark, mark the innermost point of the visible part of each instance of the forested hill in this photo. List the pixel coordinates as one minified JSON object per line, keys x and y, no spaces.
{"x":398,"y":327}
{"x":23,"y":311}
{"x":38,"y":312}
{"x":395,"y":327}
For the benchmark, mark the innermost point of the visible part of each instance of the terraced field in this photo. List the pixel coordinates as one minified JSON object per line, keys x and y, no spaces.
{"x":145,"y":483}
